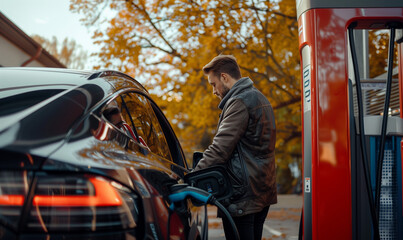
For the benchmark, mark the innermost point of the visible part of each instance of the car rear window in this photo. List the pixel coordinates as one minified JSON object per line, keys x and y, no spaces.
{"x":20,"y":102}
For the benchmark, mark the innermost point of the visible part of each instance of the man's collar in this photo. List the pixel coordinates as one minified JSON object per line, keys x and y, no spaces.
{"x":240,"y":84}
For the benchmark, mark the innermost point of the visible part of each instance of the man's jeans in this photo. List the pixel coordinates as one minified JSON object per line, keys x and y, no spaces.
{"x":249,"y":226}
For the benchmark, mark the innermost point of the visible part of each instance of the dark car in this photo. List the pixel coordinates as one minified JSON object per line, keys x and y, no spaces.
{"x":88,"y":155}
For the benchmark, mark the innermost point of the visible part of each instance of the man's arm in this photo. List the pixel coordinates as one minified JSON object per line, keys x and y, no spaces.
{"x":232,"y":127}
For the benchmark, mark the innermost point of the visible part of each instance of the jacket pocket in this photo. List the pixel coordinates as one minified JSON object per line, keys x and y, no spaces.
{"x":236,"y":172}
{"x":238,"y":186}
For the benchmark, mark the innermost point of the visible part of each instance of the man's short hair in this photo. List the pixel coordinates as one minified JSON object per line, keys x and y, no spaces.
{"x":223,"y":64}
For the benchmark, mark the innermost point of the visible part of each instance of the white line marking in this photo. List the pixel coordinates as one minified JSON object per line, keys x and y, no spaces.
{"x":273,"y":231}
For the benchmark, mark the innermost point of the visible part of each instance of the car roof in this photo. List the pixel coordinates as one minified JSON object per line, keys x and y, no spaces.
{"x":38,"y":104}
{"x":12,"y":78}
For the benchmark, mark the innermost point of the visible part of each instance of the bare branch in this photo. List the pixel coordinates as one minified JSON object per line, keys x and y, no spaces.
{"x":267,"y":10}
{"x":295,"y":99}
{"x":160,"y":34}
{"x":265,"y":76}
{"x":152,"y":45}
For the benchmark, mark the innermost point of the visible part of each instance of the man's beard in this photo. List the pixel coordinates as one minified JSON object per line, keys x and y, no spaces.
{"x":225,"y":91}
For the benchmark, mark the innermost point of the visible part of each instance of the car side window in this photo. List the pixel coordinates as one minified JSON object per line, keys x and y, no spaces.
{"x":114,"y":112}
{"x":146,"y":124}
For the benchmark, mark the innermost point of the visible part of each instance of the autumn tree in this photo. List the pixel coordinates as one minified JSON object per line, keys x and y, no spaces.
{"x":165,"y":44}
{"x":378,"y":52}
{"x":67,"y":52}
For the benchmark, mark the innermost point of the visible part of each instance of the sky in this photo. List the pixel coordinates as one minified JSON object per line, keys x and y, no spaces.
{"x":48,"y":18}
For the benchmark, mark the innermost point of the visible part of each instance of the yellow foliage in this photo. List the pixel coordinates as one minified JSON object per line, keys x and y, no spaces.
{"x":67,"y":52}
{"x":378,"y":52}
{"x":165,"y":43}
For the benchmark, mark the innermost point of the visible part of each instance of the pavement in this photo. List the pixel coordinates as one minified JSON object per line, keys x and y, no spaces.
{"x":282,"y":222}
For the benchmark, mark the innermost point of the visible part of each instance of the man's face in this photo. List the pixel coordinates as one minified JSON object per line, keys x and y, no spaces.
{"x":219,"y":88}
{"x":116,"y":120}
{"x":114,"y":116}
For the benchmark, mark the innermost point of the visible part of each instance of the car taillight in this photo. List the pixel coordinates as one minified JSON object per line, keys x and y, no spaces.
{"x":75,"y":204}
{"x":14,"y":186}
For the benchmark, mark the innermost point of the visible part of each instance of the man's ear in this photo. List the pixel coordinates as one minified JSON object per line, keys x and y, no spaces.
{"x":225,"y":77}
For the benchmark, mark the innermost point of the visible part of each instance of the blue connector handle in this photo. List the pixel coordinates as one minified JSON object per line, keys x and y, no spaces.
{"x":182,"y":191}
{"x":176,"y":197}
{"x":196,"y":193}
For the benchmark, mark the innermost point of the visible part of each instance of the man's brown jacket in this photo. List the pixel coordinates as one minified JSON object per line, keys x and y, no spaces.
{"x":244,"y":144}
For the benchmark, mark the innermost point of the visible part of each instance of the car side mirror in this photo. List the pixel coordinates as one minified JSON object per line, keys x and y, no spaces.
{"x":214,"y":180}
{"x":196,"y":158}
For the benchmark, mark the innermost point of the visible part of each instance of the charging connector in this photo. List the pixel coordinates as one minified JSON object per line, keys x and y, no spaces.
{"x":199,"y":197}
{"x":182,"y":191}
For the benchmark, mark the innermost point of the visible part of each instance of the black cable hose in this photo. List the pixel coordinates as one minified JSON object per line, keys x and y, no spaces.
{"x":212,"y":201}
{"x":362,"y":135}
{"x":384,"y":120}
{"x":227,"y":215}
{"x":169,"y":224}
{"x":205,"y":236}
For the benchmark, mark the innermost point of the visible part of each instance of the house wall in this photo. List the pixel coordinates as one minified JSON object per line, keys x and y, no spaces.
{"x":12,"y":56}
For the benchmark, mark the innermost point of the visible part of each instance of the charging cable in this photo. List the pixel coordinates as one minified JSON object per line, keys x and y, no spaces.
{"x":181,"y":192}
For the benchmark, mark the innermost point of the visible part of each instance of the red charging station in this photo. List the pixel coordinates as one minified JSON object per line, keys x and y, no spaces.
{"x":352,"y":146}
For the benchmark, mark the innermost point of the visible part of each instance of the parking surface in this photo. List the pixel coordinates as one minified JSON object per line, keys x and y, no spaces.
{"x":282,"y":221}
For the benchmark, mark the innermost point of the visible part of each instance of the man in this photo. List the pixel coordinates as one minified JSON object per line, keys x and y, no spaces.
{"x":244,"y":144}
{"x":113,"y":114}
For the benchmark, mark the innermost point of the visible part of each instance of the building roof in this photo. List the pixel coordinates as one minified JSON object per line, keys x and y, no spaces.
{"x":15,"y":35}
